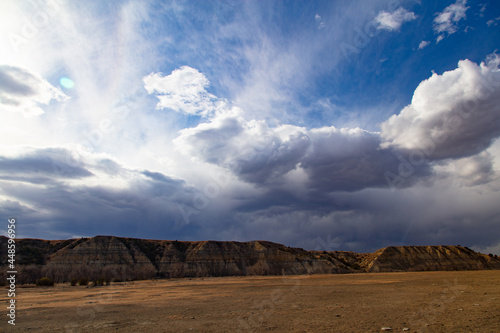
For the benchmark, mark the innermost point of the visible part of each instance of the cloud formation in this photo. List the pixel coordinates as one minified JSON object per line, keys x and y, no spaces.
{"x":328,"y":158}
{"x":250,"y":149}
{"x":452,"y":115}
{"x":184,"y":90}
{"x":57,"y":186}
{"x":423,"y":44}
{"x":42,"y":165}
{"x":349,"y":159}
{"x":393,"y":21}
{"x":24,"y":91}
{"x":446,"y":22}
{"x":288,"y":149}
{"x":319,"y":21}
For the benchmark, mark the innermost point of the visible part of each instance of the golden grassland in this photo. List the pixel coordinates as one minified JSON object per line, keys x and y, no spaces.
{"x":466,"y":301}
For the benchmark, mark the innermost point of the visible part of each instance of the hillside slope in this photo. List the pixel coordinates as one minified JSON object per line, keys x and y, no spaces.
{"x":428,"y":258}
{"x":131,"y":258}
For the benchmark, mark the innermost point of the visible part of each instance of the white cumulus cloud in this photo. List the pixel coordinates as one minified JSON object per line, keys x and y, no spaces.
{"x":184,"y":90}
{"x":452,"y":115}
{"x":393,"y":21}
{"x":446,"y":22}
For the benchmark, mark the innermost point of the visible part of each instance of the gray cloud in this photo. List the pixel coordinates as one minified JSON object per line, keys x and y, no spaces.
{"x":147,"y":206}
{"x":350,"y":160}
{"x":23,"y":91}
{"x":332,"y":159}
{"x":15,"y":81}
{"x":476,"y":170}
{"x":46,"y":162}
{"x":251,"y":149}
{"x":469,"y":171}
{"x":371,"y":219}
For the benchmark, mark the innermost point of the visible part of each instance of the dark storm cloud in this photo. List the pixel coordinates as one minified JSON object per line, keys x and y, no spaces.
{"x":332,"y":159}
{"x":147,"y":206}
{"x":48,"y":162}
{"x":146,"y":210}
{"x":351,"y":160}
{"x":370,"y":219}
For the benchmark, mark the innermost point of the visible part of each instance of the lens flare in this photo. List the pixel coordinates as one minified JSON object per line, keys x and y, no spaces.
{"x":66,"y":83}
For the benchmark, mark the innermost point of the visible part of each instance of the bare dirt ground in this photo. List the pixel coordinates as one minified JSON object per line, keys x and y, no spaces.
{"x":419,"y":302}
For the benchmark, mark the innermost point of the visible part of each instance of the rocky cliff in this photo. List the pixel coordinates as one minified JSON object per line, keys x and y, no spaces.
{"x":428,"y":258}
{"x":130,"y":258}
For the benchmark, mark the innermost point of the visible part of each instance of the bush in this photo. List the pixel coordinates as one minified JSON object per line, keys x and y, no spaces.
{"x":30,"y":274}
{"x":45,"y":281}
{"x":74,"y":281}
{"x":83,"y":281}
{"x":3,"y":278}
{"x":100,"y":281}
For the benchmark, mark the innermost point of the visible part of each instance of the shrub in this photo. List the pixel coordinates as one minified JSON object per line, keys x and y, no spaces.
{"x":74,"y":281}
{"x":99,"y":281}
{"x":45,"y":281}
{"x":30,"y":274}
{"x":83,"y":281}
{"x":3,"y":277}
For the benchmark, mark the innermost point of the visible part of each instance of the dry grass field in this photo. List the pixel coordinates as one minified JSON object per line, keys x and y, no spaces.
{"x":413,"y":302}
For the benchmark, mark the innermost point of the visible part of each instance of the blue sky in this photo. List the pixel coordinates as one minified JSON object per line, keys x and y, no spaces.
{"x":326,"y":125}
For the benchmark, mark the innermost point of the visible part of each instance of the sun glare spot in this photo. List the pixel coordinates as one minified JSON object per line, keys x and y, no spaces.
{"x":66,"y":83}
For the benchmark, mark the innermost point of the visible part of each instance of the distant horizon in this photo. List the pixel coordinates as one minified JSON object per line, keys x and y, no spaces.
{"x":249,"y":241}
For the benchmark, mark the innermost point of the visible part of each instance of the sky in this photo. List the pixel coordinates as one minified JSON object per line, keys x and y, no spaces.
{"x":326,"y":125}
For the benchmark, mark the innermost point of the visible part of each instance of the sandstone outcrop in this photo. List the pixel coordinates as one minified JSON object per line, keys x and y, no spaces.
{"x":131,"y":258}
{"x":428,"y":258}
